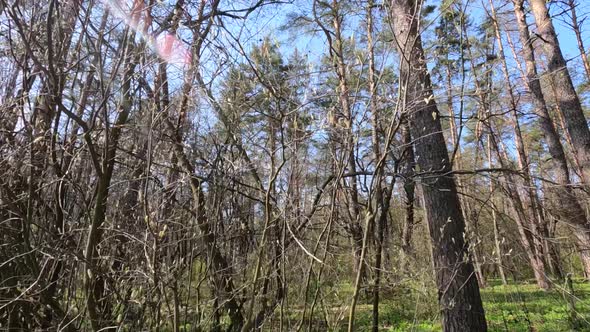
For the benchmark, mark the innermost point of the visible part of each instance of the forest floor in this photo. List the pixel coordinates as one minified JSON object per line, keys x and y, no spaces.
{"x":515,"y":307}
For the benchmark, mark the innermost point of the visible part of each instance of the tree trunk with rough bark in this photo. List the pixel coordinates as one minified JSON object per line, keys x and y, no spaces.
{"x":566,"y":96}
{"x":575,"y":25}
{"x":565,"y":205}
{"x":497,"y":241}
{"x":407,"y":169}
{"x":459,"y":295}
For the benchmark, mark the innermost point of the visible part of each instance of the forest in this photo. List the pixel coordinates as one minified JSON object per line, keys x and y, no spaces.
{"x":294,"y":165}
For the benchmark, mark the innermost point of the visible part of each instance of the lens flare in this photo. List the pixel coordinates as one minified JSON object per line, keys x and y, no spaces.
{"x":137,"y":16}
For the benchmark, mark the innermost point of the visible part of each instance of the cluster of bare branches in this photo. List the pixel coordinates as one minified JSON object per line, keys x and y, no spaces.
{"x":167,"y":166}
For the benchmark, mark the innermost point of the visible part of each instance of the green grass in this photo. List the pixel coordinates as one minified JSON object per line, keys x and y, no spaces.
{"x":523,"y":307}
{"x":514,"y":308}
{"x":413,"y":307}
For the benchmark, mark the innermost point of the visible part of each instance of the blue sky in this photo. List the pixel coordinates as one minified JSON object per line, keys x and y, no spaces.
{"x":269,"y":21}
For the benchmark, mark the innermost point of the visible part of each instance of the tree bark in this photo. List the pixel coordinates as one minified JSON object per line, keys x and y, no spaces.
{"x":565,"y":205}
{"x":529,"y":189}
{"x":566,"y":96}
{"x":497,"y":241}
{"x":523,"y":223}
{"x":578,"y":32}
{"x":459,"y":295}
{"x":408,"y":163}
{"x":379,"y":199}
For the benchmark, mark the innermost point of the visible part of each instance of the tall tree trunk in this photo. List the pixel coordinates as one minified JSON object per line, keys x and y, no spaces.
{"x":564,"y":203}
{"x":343,"y":122}
{"x":530,"y":194}
{"x":407,"y":169}
{"x":566,"y":95}
{"x":378,"y":194}
{"x":459,"y":295}
{"x":347,"y":132}
{"x":575,"y":25}
{"x":521,"y":218}
{"x":497,"y":241}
